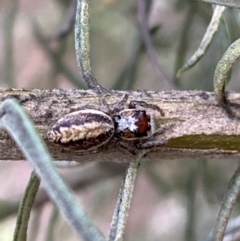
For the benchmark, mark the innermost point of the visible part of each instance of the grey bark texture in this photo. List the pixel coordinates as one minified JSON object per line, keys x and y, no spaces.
{"x":195,"y":125}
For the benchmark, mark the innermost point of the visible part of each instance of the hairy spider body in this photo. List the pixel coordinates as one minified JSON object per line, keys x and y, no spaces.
{"x":132,"y":124}
{"x":89,"y":129}
{"x":85,"y":129}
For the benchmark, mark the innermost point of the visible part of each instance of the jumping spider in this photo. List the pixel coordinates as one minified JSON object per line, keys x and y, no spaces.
{"x":89,"y":129}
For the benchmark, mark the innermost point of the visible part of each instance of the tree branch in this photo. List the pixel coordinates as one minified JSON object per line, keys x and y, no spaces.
{"x":199,"y":126}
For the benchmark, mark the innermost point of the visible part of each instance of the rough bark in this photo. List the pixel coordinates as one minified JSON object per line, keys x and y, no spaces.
{"x":198,"y":125}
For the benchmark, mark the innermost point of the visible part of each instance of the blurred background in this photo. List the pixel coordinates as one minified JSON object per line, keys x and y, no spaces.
{"x":173,"y":199}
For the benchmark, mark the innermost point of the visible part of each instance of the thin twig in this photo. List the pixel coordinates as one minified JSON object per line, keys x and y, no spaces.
{"x":68,"y":23}
{"x":127,"y":77}
{"x":223,"y":71}
{"x":8,"y":50}
{"x":52,"y":224}
{"x":227,"y":206}
{"x":191,"y":187}
{"x":143,"y":21}
{"x":25,"y":209}
{"x":227,"y":3}
{"x":81,"y":178}
{"x":232,"y":230}
{"x":56,"y":59}
{"x":124,"y":200}
{"x":82,"y":45}
{"x":184,"y":38}
{"x":206,"y":41}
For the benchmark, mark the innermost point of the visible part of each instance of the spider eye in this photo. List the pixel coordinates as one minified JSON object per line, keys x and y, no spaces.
{"x":117,"y":117}
{"x":149,"y":127}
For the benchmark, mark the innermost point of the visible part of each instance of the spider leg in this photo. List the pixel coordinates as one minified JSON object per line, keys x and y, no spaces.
{"x":151,"y":144}
{"x":134,"y":103}
{"x":126,"y":146}
{"x":116,"y":107}
{"x":83,"y":107}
